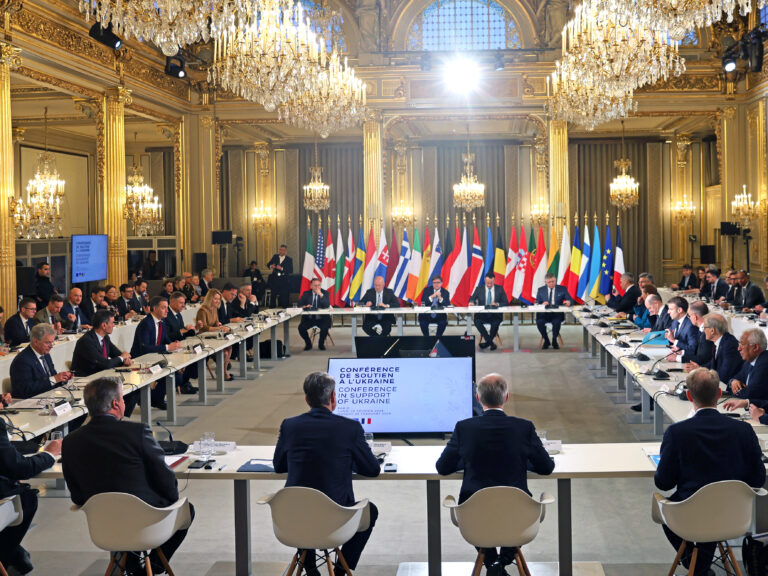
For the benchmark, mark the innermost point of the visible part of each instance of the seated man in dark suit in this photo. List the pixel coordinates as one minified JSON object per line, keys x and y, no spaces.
{"x":379,"y":297}
{"x":751,"y":382}
{"x":178,"y":331}
{"x":624,"y":305}
{"x":321,"y":450}
{"x":13,"y":468}
{"x":314,"y":299}
{"x":72,"y":315}
{"x":748,"y":294}
{"x":494,"y":450}
{"x":245,"y":304}
{"x":489,"y":295}
{"x":32,"y":371}
{"x":708,"y":447}
{"x":697,"y":311}
{"x":551,"y":295}
{"x":658,"y":313}
{"x":140,"y":296}
{"x":682,"y":334}
{"x":51,"y":313}
{"x":17,"y":327}
{"x":206,"y":281}
{"x":114,"y":455}
{"x":725,"y":359}
{"x":94,"y":304}
{"x":127,"y":305}
{"x":438,"y":298}
{"x":717,"y":288}
{"x":688,"y":281}
{"x":152,"y":337}
{"x":227,"y":309}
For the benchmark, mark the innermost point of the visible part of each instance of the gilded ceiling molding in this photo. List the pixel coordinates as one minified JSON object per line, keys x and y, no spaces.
{"x":39,"y":120}
{"x":687,"y":83}
{"x":64,"y":85}
{"x":142,"y":71}
{"x":178,"y":171}
{"x":9,"y":54}
{"x":18,"y":134}
{"x":395,"y":121}
{"x":151,"y":113}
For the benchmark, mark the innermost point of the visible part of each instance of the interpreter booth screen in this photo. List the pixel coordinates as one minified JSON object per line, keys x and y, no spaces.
{"x":403,"y":395}
{"x":89,"y":258}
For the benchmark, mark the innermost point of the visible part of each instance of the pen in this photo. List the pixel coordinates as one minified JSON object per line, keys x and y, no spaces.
{"x":222,"y":467}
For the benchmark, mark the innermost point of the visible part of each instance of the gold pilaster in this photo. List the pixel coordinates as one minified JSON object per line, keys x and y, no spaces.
{"x":115,"y":226}
{"x":9,"y":59}
{"x":373,"y":185}
{"x":265,"y":238}
{"x":183,"y":203}
{"x":683,"y":179}
{"x":558,"y":175}
{"x":758,"y":171}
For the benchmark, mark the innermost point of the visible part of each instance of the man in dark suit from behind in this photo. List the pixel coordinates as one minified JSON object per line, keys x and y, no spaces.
{"x":379,"y":297}
{"x":725,"y":359}
{"x":115,"y":455}
{"x":494,"y":450}
{"x":14,"y":467}
{"x":17,"y":327}
{"x":489,"y":295}
{"x":32,"y":371}
{"x":551,"y":295}
{"x":321,"y":450}
{"x":314,"y":299}
{"x":437,"y":298}
{"x":624,"y":305}
{"x":708,"y":447}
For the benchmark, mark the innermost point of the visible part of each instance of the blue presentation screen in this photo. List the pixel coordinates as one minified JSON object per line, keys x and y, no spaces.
{"x":89,"y":258}
{"x":403,"y":395}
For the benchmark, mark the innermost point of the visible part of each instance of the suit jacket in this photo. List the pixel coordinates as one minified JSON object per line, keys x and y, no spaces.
{"x":14,"y":466}
{"x":27,"y":375}
{"x":561,"y":295}
{"x":111,"y":455}
{"x":287,"y":266}
{"x":175,"y":323}
{"x":687,"y":282}
{"x":751,"y":296}
{"x":717,"y":290}
{"x":43,"y":317}
{"x":499,"y":296}
{"x":204,"y":288}
{"x":662,"y":320}
{"x":123,"y":307}
{"x":627,"y":302}
{"x":444,"y":296}
{"x":139,"y":302}
{"x":145,"y":338}
{"x":226,"y":311}
{"x":321,"y":450}
{"x":88,"y":358}
{"x":68,"y":309}
{"x":387,"y":297}
{"x":89,"y":310}
{"x":757,"y":376}
{"x":728,"y":360}
{"x":14,"y":331}
{"x":709,"y":447}
{"x":730,"y":295}
{"x":494,"y":450}
{"x":687,"y":335}
{"x":323,"y":302}
{"x":703,"y":352}
{"x":239,"y":311}
{"x":208,"y":316}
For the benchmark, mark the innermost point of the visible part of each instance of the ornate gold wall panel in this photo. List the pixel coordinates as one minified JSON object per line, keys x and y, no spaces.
{"x":373,"y":171}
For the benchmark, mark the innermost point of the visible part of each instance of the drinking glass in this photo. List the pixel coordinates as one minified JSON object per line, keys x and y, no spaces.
{"x":57,"y":435}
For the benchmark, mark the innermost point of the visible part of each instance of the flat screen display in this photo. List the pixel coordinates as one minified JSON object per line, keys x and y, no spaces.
{"x":89,"y":258}
{"x":403,"y":395}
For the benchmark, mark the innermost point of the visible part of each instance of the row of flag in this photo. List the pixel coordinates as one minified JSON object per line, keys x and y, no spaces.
{"x":347,"y":271}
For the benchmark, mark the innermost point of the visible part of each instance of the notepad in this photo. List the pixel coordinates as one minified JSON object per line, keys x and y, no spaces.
{"x":255,"y":466}
{"x":655,"y":339}
{"x":653,"y":456}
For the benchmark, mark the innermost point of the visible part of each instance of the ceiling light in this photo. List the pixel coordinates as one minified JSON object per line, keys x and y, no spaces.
{"x":174,"y":66}
{"x":729,"y":63}
{"x":105,"y":36}
{"x":461,"y":74}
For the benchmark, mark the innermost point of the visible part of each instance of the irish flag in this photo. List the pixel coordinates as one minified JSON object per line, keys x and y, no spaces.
{"x":414,"y":267}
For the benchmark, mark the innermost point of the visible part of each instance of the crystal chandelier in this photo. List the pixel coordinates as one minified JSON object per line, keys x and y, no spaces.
{"x":317,"y":195}
{"x":40,"y":215}
{"x":272,"y":55}
{"x":624,"y":188}
{"x":744,"y":208}
{"x":262,"y":217}
{"x":468,"y":194}
{"x":141,"y":206}
{"x":685,"y":211}
{"x":402,"y":215}
{"x":540,"y":212}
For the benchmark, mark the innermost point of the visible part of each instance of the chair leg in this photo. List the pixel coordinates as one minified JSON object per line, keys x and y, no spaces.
{"x":328,"y":563}
{"x":478,"y":564}
{"x":2,"y":570}
{"x":300,"y":565}
{"x":164,"y":561}
{"x":291,"y":566}
{"x":692,"y":569}
{"x":109,"y":568}
{"x":343,"y":562}
{"x":519,"y":564}
{"x":734,"y":562}
{"x":677,"y":559}
{"x":331,"y":339}
{"x":521,"y":559}
{"x":726,"y":560}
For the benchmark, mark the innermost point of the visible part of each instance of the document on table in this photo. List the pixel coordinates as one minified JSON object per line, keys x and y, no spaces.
{"x":173,"y":461}
{"x":256,"y":465}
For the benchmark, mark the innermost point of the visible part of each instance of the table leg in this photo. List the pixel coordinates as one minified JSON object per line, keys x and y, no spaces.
{"x":621,"y":375}
{"x":146,"y":406}
{"x":242,"y":528}
{"x":516,"y":331}
{"x":257,"y":354}
{"x":243,"y":359}
{"x":645,"y":400}
{"x":354,"y":333}
{"x":594,"y":347}
{"x":469,"y":324}
{"x":658,"y":421}
{"x":400,"y":325}
{"x":585,"y":339}
{"x":273,"y":335}
{"x":629,"y":384}
{"x":434,"y":552}
{"x":170,"y":396}
{"x":202,"y":378}
{"x":564,"y":531}
{"x":287,"y":338}
{"x":608,"y":363}
{"x":220,"y":371}
{"x":603,"y":355}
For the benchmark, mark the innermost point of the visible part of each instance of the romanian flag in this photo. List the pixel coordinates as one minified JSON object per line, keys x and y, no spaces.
{"x":499,"y":261}
{"x":571,"y":279}
{"x":355,"y":289}
{"x":424,"y":269}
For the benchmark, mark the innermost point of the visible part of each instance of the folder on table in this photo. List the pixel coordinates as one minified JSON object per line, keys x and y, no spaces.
{"x":655,"y":339}
{"x":255,"y":466}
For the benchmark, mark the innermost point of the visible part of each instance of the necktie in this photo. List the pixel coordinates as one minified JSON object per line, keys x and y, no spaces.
{"x":714,"y":357}
{"x":489,"y":298}
{"x":551,"y":296}
{"x":180,"y":321}
{"x":27,"y":327}
{"x":77,"y":316}
{"x":314,"y":300}
{"x":750,"y":367}
{"x":159,"y":333}
{"x":378,"y":299}
{"x":104,"y":347}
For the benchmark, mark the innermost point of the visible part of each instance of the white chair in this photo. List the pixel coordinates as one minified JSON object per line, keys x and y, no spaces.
{"x":141,"y":527}
{"x":11,"y":514}
{"x":499,"y":516}
{"x":693,"y":519}
{"x":307,"y":519}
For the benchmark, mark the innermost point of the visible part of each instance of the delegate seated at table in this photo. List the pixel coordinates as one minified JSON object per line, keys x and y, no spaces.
{"x":379,"y":297}
{"x":489,"y":295}
{"x":314,"y":299}
{"x":32,"y":371}
{"x":726,"y":359}
{"x":751,"y":383}
{"x":551,"y":295}
{"x":434,"y":297}
{"x":17,"y":327}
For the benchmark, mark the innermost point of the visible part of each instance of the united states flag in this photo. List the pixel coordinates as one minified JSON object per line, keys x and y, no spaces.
{"x":320,"y":256}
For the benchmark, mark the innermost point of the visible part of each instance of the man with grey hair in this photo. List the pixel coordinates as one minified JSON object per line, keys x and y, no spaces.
{"x":320,"y":450}
{"x":32,"y":371}
{"x":551,"y":295}
{"x":725,"y":359}
{"x":206,"y":281}
{"x":708,"y":447}
{"x":494,"y":450}
{"x":111,"y":454}
{"x":751,"y":382}
{"x":624,"y":300}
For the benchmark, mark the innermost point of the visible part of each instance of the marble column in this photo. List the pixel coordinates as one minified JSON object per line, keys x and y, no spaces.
{"x":9,"y":59}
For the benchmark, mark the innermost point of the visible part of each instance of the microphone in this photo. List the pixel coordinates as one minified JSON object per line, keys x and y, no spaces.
{"x":170,"y":446}
{"x":622,"y":343}
{"x":657,"y":374}
{"x":390,"y":348}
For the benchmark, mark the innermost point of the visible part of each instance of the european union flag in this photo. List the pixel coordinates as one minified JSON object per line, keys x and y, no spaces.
{"x":606,"y":268}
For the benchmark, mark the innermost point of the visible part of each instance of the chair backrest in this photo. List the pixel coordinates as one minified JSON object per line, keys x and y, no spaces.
{"x":695,"y":520}
{"x":307,"y":518}
{"x":119,"y":521}
{"x":10,"y":512}
{"x":499,"y":516}
{"x":6,"y":389}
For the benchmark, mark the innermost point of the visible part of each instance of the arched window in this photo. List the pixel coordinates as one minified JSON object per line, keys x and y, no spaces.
{"x":464,"y":25}
{"x":764,"y":15}
{"x":326,"y":22}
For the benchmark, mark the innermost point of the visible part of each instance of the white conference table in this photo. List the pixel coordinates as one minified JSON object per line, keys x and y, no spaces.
{"x":576,"y":461}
